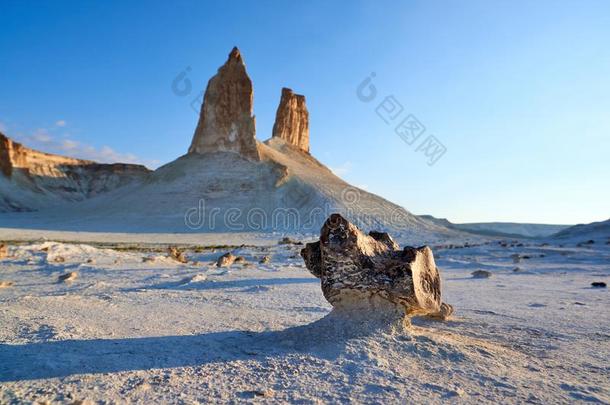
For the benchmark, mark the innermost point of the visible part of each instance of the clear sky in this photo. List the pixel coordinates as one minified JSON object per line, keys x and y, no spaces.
{"x":517,"y":91}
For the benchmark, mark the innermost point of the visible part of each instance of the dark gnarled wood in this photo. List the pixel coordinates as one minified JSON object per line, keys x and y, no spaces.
{"x":353,"y":266}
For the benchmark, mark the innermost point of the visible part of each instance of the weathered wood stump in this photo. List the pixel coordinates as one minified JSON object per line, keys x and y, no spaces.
{"x":370,"y":272}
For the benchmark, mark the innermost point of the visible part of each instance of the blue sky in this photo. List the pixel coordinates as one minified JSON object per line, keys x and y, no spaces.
{"x":517,"y":92}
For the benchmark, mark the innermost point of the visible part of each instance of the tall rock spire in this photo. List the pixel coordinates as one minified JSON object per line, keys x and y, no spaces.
{"x":292,"y":120}
{"x":226,"y":122}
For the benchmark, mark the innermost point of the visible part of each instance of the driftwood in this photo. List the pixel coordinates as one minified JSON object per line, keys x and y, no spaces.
{"x":372,"y":272}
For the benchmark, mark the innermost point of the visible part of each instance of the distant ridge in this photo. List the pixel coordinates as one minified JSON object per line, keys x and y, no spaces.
{"x":31,"y":180}
{"x":596,"y":231}
{"x":501,"y":229}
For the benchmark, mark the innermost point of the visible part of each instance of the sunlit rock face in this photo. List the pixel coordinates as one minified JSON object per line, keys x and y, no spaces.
{"x":226,"y":123}
{"x":292,"y":120}
{"x":371,"y":273}
{"x":30,"y":179}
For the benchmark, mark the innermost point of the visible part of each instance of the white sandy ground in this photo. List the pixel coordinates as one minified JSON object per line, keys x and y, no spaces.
{"x":162,"y":332}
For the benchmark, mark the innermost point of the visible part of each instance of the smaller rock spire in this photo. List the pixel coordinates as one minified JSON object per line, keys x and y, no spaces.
{"x":292,"y":120}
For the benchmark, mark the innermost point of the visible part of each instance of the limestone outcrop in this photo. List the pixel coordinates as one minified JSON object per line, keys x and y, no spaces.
{"x":29,"y":177}
{"x":292,"y":120}
{"x":371,"y":273}
{"x":226,"y":123}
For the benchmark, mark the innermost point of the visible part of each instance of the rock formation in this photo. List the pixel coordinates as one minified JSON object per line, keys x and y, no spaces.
{"x":37,"y":176}
{"x":177,"y":254}
{"x":271,"y":186}
{"x":68,"y":277}
{"x":15,"y":157}
{"x":226,"y":122}
{"x":292,"y":120}
{"x":371,"y":273}
{"x":226,"y":260}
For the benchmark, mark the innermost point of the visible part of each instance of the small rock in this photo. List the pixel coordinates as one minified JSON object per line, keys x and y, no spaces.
{"x":59,"y":259}
{"x":516,"y":258}
{"x":177,"y":254}
{"x":6,"y":284}
{"x":240,"y":260}
{"x":268,"y":393}
{"x":226,"y":260}
{"x":71,"y":276}
{"x":265,"y":260}
{"x":598,"y":284}
{"x":517,"y":269}
{"x":481,"y":274}
{"x":289,"y":241}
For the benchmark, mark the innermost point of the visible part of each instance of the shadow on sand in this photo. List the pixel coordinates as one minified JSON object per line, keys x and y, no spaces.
{"x":325,"y":338}
{"x":217,"y":285}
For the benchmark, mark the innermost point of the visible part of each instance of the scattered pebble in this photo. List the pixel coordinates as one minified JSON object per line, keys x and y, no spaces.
{"x":289,"y":241}
{"x":268,"y":393}
{"x":598,"y":284}
{"x":177,"y":254}
{"x":59,"y":259}
{"x":265,"y":260}
{"x":226,"y":260}
{"x":481,"y":274}
{"x":71,"y":276}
